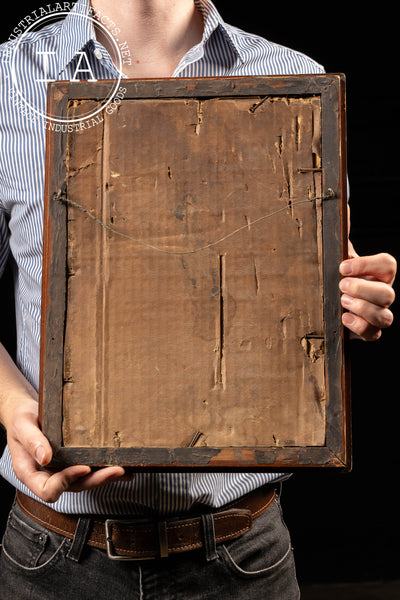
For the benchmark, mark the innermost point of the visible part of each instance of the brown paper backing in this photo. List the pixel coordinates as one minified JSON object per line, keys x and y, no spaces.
{"x":198,"y":334}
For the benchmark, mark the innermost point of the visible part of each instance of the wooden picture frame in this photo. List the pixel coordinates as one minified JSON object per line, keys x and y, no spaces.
{"x":191,"y":315}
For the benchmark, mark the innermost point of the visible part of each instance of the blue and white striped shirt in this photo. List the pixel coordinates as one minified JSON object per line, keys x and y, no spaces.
{"x":223,"y":51}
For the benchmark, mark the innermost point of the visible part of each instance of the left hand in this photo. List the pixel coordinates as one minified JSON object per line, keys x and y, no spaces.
{"x":367,"y":293}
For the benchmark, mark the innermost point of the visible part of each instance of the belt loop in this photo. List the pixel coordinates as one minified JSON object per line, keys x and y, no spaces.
{"x":163,"y":538}
{"x":209,"y":536}
{"x":79,"y":540}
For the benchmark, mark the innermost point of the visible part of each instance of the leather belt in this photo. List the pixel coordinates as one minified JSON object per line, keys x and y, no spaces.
{"x":143,"y":539}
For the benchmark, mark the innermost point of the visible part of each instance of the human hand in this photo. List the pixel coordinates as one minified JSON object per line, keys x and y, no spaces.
{"x":367,"y":293}
{"x":29,"y":448}
{"x":31,"y":452}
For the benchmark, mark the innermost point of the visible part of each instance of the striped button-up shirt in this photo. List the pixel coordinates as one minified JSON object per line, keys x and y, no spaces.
{"x":51,"y":50}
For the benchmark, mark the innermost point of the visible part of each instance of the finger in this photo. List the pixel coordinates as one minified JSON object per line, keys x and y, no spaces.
{"x":30,"y":450}
{"x":27,"y":433}
{"x":37,"y":445}
{"x":100,"y":478}
{"x":76,"y":479}
{"x":376,"y":292}
{"x":49,"y":486}
{"x":381,"y":267}
{"x":374,"y":315}
{"x":360,"y":327}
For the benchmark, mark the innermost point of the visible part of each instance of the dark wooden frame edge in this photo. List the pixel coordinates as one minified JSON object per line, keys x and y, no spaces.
{"x":337,"y":451}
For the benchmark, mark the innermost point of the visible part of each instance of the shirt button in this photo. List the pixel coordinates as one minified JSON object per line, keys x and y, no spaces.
{"x":98,"y":54}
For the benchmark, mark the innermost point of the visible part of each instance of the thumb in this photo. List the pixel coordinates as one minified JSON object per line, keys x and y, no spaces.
{"x":43,"y":452}
{"x":26,"y":433}
{"x":37,"y":445}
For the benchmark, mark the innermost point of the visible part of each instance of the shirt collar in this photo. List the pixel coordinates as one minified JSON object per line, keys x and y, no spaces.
{"x":213,"y":21}
{"x":77,"y":30}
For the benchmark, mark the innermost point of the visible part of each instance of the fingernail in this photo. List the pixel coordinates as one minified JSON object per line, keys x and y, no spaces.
{"x":348,"y":319}
{"x":346,"y":267}
{"x":346,"y":301}
{"x":39,"y":455}
{"x":344,"y":285}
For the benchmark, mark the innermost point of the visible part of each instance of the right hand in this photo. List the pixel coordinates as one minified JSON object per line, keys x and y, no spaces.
{"x":31,"y":452}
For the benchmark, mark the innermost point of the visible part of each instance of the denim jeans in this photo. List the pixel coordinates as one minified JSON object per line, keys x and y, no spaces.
{"x":38,"y":564}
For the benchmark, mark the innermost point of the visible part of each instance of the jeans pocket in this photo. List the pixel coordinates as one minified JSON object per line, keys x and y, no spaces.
{"x":264,"y":551}
{"x":270,"y":569}
{"x":30,"y":546}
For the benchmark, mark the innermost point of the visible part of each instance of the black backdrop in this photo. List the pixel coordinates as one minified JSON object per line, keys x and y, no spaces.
{"x":344,"y":526}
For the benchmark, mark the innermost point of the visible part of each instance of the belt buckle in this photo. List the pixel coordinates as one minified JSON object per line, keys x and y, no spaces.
{"x":162,"y":538}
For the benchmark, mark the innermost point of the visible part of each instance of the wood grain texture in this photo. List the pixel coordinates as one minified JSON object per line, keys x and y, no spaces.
{"x":196,"y":289}
{"x":227,"y":341}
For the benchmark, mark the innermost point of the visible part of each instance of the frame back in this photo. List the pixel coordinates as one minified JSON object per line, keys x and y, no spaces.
{"x":191,"y":310}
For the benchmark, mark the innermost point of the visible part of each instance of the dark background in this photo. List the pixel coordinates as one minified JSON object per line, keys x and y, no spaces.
{"x":344,"y":526}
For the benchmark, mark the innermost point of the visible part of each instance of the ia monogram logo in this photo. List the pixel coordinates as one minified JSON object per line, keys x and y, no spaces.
{"x":28,"y":94}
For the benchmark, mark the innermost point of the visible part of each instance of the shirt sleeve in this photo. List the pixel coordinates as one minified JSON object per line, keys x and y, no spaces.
{"x":4,"y":241}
